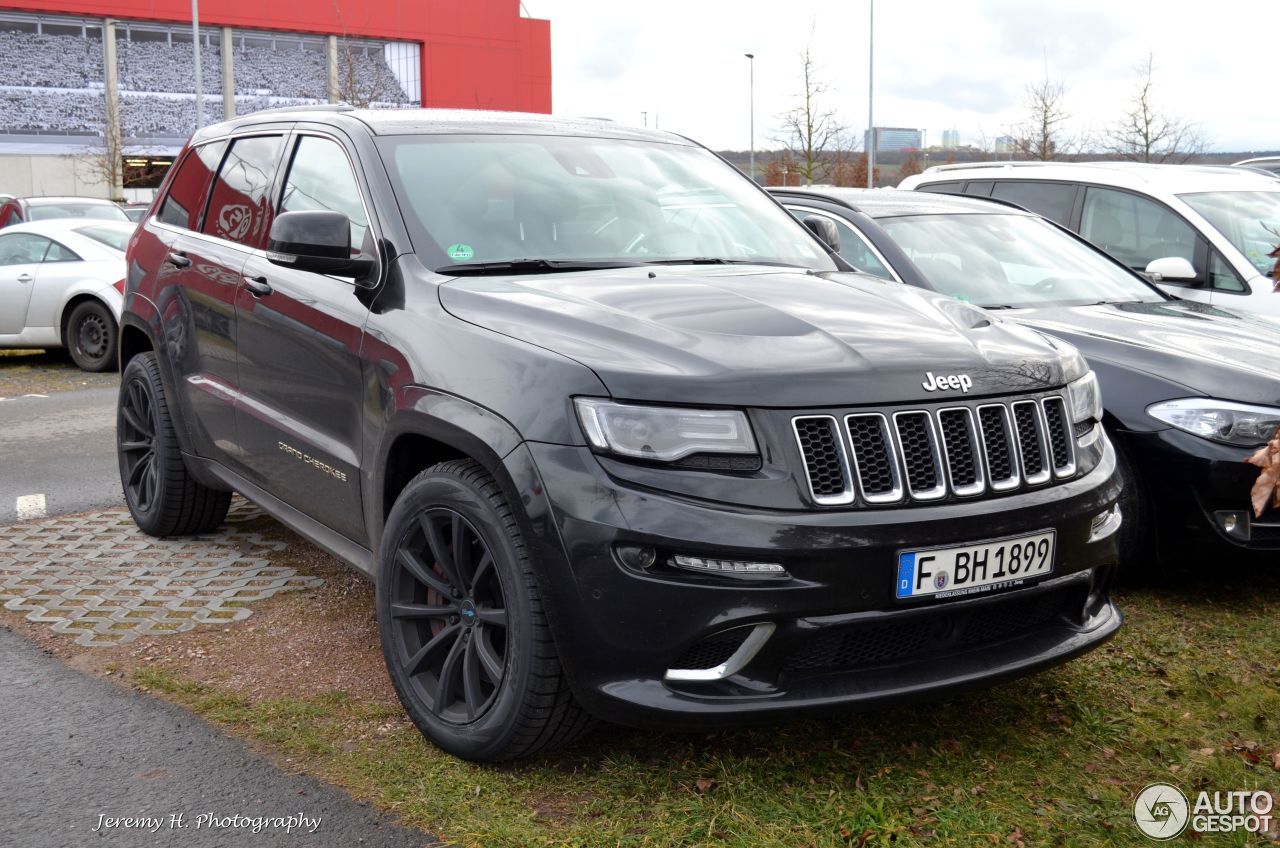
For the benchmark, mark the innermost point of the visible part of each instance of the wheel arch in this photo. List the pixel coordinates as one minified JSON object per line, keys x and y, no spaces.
{"x":431,"y":427}
{"x":64,"y":316}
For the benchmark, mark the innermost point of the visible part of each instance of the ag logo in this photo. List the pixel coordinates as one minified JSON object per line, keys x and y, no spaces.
{"x":234,"y":221}
{"x":1161,"y":811}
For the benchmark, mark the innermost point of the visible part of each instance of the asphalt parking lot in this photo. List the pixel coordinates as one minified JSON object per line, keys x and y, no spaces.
{"x":239,"y":674}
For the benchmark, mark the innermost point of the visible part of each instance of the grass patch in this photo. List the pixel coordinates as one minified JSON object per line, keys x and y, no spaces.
{"x":1188,"y":693}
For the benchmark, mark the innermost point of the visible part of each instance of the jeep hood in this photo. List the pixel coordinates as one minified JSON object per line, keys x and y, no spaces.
{"x":760,"y":336}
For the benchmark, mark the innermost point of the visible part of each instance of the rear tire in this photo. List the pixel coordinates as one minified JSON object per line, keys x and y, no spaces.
{"x":465,"y":635}
{"x":91,"y":336}
{"x":163,"y":498}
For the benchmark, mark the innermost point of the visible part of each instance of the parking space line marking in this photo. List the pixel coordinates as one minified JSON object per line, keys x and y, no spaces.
{"x":31,"y":506}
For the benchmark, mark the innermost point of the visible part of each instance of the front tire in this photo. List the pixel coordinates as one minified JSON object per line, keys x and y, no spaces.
{"x":163,"y":498}
{"x":463,"y":629}
{"x":91,"y":336}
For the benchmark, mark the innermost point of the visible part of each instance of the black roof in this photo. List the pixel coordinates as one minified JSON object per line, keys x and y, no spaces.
{"x":891,"y":203}
{"x":442,"y":122}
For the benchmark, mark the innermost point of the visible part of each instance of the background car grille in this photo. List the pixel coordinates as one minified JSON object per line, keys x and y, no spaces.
{"x":921,"y":455}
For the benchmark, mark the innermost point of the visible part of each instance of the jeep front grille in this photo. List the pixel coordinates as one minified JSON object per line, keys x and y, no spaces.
{"x":922,"y":455}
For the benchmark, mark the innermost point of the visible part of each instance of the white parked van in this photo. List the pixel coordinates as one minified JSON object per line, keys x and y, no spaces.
{"x":1202,"y":233}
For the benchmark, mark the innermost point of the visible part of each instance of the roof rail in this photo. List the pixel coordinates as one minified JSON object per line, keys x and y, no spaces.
{"x":1008,"y":164}
{"x":319,"y":107}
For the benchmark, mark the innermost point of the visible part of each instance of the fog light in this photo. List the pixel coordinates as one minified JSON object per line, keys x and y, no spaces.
{"x":1105,"y":523}
{"x":735,"y":567}
{"x":1235,"y":524}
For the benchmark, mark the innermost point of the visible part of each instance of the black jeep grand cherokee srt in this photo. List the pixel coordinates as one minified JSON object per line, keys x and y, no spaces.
{"x":612,"y":432}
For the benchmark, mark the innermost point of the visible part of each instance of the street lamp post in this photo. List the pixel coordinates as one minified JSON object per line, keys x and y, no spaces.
{"x":751,"y":76}
{"x":871,"y":123}
{"x":195,"y":43}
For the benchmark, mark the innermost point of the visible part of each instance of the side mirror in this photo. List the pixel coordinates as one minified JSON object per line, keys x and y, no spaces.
{"x":317,"y":241}
{"x":825,"y":230}
{"x":1172,"y":269}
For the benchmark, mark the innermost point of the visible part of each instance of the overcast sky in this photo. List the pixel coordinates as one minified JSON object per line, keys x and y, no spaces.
{"x":960,"y":64}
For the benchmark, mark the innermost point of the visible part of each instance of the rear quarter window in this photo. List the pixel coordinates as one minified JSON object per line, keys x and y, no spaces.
{"x":182,"y":205}
{"x":1052,"y":200}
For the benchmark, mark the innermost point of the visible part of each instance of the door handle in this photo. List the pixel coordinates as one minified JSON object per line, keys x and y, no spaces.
{"x":25,"y":278}
{"x":258,"y":286}
{"x":178,"y":260}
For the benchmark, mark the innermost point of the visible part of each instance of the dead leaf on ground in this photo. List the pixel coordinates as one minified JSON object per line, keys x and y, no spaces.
{"x":1266,"y":489}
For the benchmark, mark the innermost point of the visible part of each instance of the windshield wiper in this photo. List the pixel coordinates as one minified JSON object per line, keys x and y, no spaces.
{"x":719,"y":260}
{"x":534,"y":266}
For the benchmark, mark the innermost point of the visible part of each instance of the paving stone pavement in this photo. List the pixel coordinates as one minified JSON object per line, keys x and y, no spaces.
{"x":98,"y":576}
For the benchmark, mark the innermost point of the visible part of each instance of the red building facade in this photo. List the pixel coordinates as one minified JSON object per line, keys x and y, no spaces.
{"x":475,"y":54}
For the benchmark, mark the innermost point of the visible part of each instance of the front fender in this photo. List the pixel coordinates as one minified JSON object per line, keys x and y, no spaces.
{"x":466,"y":427}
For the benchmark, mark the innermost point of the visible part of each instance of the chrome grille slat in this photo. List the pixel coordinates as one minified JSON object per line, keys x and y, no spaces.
{"x":960,"y":451}
{"x":1028,"y":422}
{"x":1061,"y":445}
{"x":921,"y":459}
{"x":925,"y":455}
{"x":826,"y":464}
{"x":875,"y":461}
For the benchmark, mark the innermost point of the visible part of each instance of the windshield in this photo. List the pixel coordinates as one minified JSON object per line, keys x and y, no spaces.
{"x":104,"y":211}
{"x":1250,"y":220}
{"x":1012,"y":261}
{"x":478,"y":199}
{"x":112,"y":236}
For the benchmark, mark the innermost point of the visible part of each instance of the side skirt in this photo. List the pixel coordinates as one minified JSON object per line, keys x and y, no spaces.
{"x":357,"y":556}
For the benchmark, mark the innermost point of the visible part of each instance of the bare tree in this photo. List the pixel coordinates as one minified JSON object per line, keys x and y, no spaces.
{"x":911,"y":166}
{"x":357,"y":89}
{"x":1043,"y":133}
{"x":1148,"y":134}
{"x":105,"y":164}
{"x":811,"y":130}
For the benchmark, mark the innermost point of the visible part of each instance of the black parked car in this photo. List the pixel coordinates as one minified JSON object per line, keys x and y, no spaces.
{"x":614,"y":435}
{"x":1189,"y":389}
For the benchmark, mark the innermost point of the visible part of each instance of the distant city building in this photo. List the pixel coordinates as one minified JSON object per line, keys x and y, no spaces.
{"x":1006,"y":144}
{"x":894,"y":139}
{"x":950,"y":139}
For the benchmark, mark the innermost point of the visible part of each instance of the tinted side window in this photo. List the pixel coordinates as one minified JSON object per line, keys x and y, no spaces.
{"x":22,"y":249}
{"x":181,"y":208}
{"x":1133,"y":229}
{"x":320,"y":177}
{"x":944,"y":188}
{"x":58,"y":253}
{"x":979,"y":188}
{"x":1052,"y":200}
{"x":239,"y":209}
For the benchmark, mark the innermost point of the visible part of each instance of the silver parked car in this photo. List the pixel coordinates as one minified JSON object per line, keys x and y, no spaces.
{"x":61,"y":284}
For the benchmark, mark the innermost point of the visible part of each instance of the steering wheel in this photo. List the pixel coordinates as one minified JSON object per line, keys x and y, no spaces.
{"x":1048,"y":284}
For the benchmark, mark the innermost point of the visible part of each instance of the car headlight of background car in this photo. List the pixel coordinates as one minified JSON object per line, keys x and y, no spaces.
{"x":1220,"y":420}
{"x":663,"y":433}
{"x":1085,"y":398}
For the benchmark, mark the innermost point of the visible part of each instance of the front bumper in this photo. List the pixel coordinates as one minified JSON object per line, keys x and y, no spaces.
{"x":836,"y":638}
{"x":1200,"y":490}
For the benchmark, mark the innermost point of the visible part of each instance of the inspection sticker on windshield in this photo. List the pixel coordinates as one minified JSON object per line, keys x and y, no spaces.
{"x":460,"y":252}
{"x":974,"y":569}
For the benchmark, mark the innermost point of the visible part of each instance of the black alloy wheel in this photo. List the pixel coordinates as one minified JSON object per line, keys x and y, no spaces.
{"x":163,"y":497}
{"x":449,"y":612}
{"x":465,"y":635}
{"x":139,"y":467}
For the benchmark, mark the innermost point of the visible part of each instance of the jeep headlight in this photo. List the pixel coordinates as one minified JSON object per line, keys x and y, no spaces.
{"x":1085,"y":399}
{"x":663,"y":433}
{"x":1220,"y":420}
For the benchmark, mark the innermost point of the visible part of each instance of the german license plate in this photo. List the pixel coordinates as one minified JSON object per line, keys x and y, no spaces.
{"x":973,"y":569}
